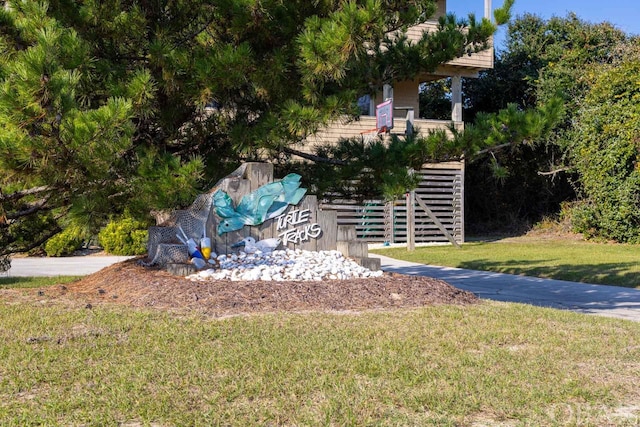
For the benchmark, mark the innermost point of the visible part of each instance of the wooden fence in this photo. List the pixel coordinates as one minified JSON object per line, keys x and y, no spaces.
{"x":441,"y":189}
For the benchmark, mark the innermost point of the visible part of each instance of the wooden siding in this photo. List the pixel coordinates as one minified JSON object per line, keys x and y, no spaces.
{"x":441,"y":188}
{"x":365,"y":127}
{"x":406,"y":94}
{"x":481,"y":60}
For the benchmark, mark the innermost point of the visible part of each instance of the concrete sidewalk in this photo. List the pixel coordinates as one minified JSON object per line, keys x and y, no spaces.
{"x":610,"y":301}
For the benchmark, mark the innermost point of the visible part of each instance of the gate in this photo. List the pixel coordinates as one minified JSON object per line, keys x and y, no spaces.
{"x":441,"y":192}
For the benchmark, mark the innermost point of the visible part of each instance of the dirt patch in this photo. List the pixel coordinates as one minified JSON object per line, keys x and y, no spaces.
{"x":127,"y":283}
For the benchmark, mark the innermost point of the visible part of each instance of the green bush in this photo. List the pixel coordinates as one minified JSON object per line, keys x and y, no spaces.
{"x":124,"y":236}
{"x":64,"y":243}
{"x":5,"y":263}
{"x":605,"y":150}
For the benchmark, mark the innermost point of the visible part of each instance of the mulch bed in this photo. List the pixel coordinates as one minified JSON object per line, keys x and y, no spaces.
{"x":130,"y":284}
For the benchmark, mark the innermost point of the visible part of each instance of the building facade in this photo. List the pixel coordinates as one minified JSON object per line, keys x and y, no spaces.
{"x":442,"y":188}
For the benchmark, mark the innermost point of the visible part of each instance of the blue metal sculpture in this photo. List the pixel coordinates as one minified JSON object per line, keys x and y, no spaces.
{"x":267,"y":202}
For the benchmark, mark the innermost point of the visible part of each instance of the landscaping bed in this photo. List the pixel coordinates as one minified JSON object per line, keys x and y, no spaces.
{"x":128,"y":283}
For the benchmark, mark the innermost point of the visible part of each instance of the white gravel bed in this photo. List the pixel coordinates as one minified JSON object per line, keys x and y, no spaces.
{"x":284,"y":265}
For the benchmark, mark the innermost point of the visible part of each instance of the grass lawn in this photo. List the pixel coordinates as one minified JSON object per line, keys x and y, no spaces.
{"x":607,"y":264}
{"x":487,"y":364}
{"x":35,"y":282}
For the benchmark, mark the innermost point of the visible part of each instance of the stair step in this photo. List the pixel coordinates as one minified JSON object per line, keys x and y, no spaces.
{"x":372,"y":264}
{"x":353,"y":249}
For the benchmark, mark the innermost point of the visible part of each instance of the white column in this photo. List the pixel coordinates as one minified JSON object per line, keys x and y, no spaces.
{"x":487,"y":9}
{"x":387,"y":92}
{"x":456,"y":98}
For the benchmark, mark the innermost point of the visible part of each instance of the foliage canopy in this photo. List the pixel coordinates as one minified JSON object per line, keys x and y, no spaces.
{"x":114,"y":105}
{"x":543,"y":60}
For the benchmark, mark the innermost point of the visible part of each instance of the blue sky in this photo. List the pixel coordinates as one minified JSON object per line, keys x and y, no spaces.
{"x":624,"y":14}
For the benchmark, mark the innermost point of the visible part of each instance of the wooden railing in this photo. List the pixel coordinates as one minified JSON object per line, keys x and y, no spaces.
{"x":365,"y":128}
{"x":480,"y":60}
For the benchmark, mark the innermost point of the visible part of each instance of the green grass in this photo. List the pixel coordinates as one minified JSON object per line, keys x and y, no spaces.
{"x":489,"y":363}
{"x":485,"y":364}
{"x":35,"y":282}
{"x":607,"y":264}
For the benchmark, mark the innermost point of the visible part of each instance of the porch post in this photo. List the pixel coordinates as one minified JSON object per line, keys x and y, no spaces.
{"x":456,"y":98}
{"x":411,"y":220}
{"x":387,"y":92}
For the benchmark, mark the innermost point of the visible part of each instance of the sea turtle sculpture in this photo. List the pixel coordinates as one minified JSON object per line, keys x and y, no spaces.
{"x":267,"y":202}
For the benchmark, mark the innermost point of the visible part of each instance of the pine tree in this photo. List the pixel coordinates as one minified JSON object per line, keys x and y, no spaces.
{"x":119,"y":105}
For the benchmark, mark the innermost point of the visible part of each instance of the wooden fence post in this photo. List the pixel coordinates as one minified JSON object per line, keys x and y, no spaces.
{"x":411,"y":220}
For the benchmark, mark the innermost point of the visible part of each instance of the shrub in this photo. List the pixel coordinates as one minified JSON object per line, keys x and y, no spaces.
{"x":124,"y":236}
{"x":5,"y":263}
{"x":20,"y":235}
{"x":64,"y":243}
{"x":605,"y":150}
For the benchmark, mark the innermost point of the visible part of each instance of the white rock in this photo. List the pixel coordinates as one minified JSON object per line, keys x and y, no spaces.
{"x":285,"y":264}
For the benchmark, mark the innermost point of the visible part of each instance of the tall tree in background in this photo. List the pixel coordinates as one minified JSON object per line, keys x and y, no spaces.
{"x":542,"y":60}
{"x":435,"y":100}
{"x":119,"y":105}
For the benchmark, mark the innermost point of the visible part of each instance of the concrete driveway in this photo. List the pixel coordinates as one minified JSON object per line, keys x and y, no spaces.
{"x":611,"y":301}
{"x":63,"y":266}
